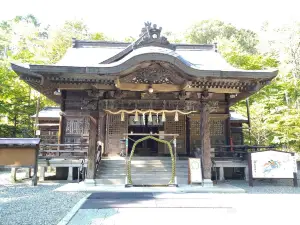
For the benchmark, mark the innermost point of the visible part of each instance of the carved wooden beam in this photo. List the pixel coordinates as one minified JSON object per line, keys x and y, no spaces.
{"x":85,"y":86}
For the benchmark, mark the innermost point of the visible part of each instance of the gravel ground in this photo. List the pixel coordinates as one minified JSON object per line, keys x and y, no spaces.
{"x":268,"y":186}
{"x":24,"y":204}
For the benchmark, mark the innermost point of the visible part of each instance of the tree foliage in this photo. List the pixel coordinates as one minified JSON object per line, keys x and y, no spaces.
{"x":25,"y":40}
{"x":274,"y":110}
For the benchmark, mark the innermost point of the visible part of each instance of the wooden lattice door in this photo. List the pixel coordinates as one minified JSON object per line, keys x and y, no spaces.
{"x":115,"y":129}
{"x":177,"y":127}
{"x":216,"y":130}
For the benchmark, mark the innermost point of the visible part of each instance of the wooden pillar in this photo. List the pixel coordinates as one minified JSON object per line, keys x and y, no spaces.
{"x":102,"y":130}
{"x":91,"y":168}
{"x":205,"y":139}
{"x":227,"y":121}
{"x":62,"y":118}
{"x":188,"y":136}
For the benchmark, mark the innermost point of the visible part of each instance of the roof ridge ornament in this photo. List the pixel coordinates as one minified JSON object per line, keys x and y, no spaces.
{"x":151,"y":36}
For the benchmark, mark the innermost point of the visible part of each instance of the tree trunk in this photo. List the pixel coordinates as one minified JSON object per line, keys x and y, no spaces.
{"x":205,"y":140}
{"x":15,"y":126}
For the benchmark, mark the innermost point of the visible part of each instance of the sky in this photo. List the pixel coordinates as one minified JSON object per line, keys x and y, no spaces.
{"x":119,"y":19}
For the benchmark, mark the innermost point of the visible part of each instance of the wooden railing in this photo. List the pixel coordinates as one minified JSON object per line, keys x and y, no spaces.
{"x":238,"y":152}
{"x":66,"y":151}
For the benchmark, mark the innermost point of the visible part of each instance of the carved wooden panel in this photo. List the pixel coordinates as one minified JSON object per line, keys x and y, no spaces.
{"x":79,"y":126}
{"x":115,"y":128}
{"x":177,"y":127}
{"x":154,"y":74}
{"x":77,"y":129}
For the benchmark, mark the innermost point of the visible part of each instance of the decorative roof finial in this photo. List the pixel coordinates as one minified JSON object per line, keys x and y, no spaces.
{"x":151,"y":35}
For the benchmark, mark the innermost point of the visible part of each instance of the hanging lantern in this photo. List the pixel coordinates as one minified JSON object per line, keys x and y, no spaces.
{"x":163,"y":117}
{"x":136,"y":117}
{"x":150,"y":117}
{"x":176,"y":116}
{"x":122,"y":116}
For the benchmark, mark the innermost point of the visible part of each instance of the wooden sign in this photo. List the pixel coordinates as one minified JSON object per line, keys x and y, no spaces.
{"x":195,"y":171}
{"x":17,"y":157}
{"x":272,"y":165}
{"x":20,"y":152}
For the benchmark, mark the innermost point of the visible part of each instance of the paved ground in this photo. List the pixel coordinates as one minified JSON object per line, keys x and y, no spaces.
{"x":177,"y":208}
{"x":268,"y":202}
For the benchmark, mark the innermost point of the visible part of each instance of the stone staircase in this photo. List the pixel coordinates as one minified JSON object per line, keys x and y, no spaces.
{"x":145,"y":171}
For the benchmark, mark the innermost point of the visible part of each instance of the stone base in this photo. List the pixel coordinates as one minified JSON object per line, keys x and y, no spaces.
{"x":90,"y":182}
{"x":207,"y":183}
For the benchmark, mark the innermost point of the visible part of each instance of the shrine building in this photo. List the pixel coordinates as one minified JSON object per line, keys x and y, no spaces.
{"x":111,"y":91}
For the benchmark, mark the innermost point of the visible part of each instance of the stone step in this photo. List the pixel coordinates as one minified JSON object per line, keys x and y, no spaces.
{"x":135,"y":170}
{"x":142,"y":175}
{"x":143,"y":158}
{"x":143,"y":164}
{"x":121,"y":181}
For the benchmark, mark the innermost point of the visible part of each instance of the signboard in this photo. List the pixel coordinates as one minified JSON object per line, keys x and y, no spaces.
{"x":273,"y":164}
{"x":195,"y":170}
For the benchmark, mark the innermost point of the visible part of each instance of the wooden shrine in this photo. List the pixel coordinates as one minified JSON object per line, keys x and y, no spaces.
{"x":106,"y":89}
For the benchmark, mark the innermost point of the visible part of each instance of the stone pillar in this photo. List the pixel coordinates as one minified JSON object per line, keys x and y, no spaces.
{"x":91,"y":167}
{"x":70,"y":174}
{"x":222,"y":177}
{"x":13,"y":174}
{"x":28,"y":173}
{"x":246,"y":172}
{"x":42,"y":173}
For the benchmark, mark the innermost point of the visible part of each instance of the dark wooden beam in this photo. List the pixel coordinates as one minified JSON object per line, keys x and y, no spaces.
{"x":227,"y":121}
{"x":188,"y":135}
{"x":62,"y":119}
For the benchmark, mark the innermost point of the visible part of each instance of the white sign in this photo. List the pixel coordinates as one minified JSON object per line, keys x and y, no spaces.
{"x":195,"y":170}
{"x":273,"y":164}
{"x":38,"y":132}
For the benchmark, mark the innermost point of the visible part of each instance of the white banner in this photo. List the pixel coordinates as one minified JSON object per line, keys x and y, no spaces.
{"x":273,"y":164}
{"x":195,"y":170}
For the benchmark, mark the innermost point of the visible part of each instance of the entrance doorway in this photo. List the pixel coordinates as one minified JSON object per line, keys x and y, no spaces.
{"x":148,"y":147}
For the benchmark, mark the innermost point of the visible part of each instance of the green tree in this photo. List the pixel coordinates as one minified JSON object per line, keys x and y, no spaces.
{"x":211,"y":31}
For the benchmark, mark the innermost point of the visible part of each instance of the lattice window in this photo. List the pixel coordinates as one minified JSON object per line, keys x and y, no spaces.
{"x":177,"y":127}
{"x":195,"y":127}
{"x":216,"y":128}
{"x":86,"y":123}
{"x":115,"y":130}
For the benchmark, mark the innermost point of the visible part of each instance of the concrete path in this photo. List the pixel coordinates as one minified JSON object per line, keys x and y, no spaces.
{"x":182,"y":208}
{"x":219,"y":188}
